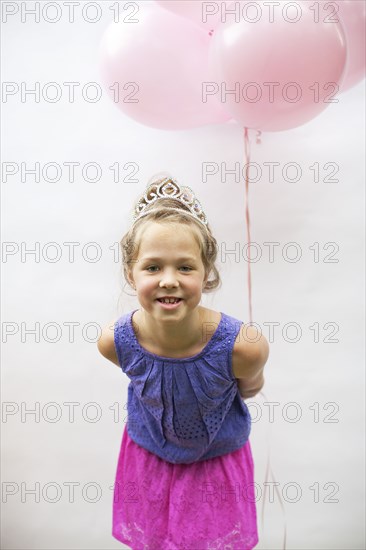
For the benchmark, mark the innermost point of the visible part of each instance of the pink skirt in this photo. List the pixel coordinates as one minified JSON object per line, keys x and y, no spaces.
{"x":207,"y":505}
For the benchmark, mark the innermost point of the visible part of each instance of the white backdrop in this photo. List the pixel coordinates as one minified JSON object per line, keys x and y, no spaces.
{"x":59,"y":451}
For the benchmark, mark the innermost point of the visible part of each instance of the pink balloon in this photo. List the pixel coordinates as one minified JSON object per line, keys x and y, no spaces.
{"x":352,"y":15}
{"x":284,"y":72}
{"x":154,"y":69}
{"x":205,"y":14}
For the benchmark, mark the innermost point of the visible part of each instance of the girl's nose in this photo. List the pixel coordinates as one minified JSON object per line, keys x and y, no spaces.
{"x":169,"y":280}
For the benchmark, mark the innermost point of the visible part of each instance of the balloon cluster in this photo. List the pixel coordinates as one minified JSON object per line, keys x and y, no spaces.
{"x":271,"y":66}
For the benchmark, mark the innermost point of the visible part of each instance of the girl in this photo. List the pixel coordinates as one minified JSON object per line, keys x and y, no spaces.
{"x":185,"y":473}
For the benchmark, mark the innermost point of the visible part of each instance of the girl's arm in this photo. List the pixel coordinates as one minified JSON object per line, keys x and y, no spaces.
{"x":251,"y":354}
{"x":106,"y":344}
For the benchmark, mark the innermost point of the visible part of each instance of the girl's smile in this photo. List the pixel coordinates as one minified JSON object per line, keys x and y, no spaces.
{"x":169,"y":306}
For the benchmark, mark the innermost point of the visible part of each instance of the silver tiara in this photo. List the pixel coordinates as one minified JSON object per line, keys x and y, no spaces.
{"x":169,"y":189}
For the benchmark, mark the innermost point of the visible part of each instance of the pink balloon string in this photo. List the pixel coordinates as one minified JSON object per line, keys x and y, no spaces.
{"x":247,"y":217}
{"x":269,"y":473}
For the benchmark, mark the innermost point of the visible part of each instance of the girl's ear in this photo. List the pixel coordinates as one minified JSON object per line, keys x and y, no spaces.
{"x":130,"y":280}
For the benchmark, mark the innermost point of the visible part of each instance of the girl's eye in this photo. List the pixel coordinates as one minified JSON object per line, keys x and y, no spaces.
{"x":183,"y":267}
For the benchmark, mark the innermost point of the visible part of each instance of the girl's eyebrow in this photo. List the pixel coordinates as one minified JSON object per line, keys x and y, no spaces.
{"x":155,"y":259}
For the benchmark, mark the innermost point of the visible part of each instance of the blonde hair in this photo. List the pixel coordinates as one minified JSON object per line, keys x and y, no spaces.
{"x":130,"y":242}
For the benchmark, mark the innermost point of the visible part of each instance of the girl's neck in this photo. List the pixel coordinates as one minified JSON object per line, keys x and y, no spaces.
{"x":171,"y":338}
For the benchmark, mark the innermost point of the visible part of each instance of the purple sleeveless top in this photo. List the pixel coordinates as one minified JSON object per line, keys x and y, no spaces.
{"x":184,"y":409}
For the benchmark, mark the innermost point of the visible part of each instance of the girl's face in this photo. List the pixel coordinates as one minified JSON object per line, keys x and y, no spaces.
{"x":168,"y":264}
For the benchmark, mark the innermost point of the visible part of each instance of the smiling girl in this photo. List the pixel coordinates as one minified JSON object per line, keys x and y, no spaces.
{"x":185,"y":473}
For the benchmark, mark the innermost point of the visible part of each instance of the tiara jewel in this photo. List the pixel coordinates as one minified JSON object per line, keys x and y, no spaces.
{"x":169,"y":189}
